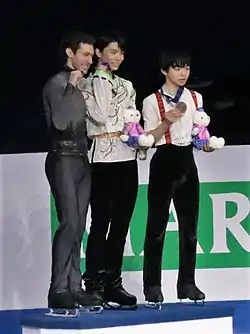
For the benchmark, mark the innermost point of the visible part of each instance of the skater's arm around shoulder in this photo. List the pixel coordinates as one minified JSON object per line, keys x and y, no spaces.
{"x":102,"y":92}
{"x":94,"y":111}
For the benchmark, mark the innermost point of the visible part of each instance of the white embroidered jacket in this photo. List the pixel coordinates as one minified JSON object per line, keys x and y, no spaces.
{"x":106,"y":99}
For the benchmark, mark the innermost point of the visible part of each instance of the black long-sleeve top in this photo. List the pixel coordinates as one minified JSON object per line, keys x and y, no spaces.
{"x":65,"y":112}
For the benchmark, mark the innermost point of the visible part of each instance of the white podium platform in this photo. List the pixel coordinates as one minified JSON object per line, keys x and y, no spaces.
{"x":181,"y":318}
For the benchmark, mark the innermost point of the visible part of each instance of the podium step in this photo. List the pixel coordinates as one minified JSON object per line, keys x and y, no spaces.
{"x":172,"y":318}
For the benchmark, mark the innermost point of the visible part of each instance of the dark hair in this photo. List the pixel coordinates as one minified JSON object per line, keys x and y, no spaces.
{"x":105,"y":39}
{"x":73,"y":40}
{"x":174,"y":58}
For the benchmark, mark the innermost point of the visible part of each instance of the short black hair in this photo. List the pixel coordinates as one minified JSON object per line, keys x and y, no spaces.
{"x":73,"y":40}
{"x":104,"y":40}
{"x":174,"y":58}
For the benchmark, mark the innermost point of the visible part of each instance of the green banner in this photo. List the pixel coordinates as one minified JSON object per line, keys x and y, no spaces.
{"x":223,"y":235}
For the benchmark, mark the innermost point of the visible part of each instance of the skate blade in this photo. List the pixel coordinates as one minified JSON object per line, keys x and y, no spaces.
{"x":91,"y":309}
{"x":200,"y":302}
{"x":63,"y":313}
{"x":157,"y":306}
{"x":114,"y":306}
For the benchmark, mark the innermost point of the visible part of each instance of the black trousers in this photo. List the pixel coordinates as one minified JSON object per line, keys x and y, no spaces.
{"x":173,"y":175}
{"x":113,"y":196}
{"x":70,"y":181}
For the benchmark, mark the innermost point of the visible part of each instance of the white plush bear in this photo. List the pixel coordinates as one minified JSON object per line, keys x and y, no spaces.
{"x":133,"y":134}
{"x":200,"y":132}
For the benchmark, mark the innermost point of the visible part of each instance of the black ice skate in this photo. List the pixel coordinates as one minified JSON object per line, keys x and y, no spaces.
{"x":88,"y":303}
{"x":153,"y":296}
{"x":116,"y":297}
{"x":62,"y":305}
{"x":190,"y":291}
{"x":95,"y":286}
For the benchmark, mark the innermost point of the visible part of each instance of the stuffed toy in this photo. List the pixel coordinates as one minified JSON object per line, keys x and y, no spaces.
{"x":133,"y":134}
{"x":201,"y":134}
